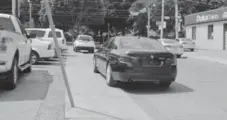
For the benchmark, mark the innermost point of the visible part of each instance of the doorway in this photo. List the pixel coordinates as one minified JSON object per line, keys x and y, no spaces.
{"x":225,"y":36}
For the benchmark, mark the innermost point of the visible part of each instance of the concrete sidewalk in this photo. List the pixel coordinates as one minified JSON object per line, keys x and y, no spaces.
{"x":213,"y":56}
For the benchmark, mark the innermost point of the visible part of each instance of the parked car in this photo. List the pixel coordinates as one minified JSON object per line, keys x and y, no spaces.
{"x":15,"y":51}
{"x":41,"y":49}
{"x":133,"y":59}
{"x":46,"y":34}
{"x":84,"y":42}
{"x":173,"y":46}
{"x":187,"y":43}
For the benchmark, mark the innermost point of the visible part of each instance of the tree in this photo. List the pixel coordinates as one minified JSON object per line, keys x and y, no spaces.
{"x":6,"y":6}
{"x":185,"y":7}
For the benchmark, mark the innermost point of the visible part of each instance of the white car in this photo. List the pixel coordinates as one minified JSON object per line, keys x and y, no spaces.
{"x":15,"y":50}
{"x":46,"y":34}
{"x":41,"y":50}
{"x":84,"y":42}
{"x":173,"y":46}
{"x":187,"y":43}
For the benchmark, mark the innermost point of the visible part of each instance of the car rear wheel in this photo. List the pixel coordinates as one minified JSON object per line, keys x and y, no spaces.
{"x":109,"y":79}
{"x":165,"y":84}
{"x":91,"y":51}
{"x":75,"y":49}
{"x":34,"y":57}
{"x":95,"y":70}
{"x":178,"y":56}
{"x":12,"y":77}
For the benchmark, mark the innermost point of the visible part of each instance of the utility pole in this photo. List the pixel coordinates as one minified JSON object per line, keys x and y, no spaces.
{"x":108,"y":31}
{"x":15,"y":8}
{"x":162,"y":19}
{"x":176,"y":19}
{"x":148,"y":20}
{"x":49,"y":15}
{"x":30,"y":13}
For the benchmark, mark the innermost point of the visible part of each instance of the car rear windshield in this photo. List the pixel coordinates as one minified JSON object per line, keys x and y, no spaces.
{"x":134,"y":43}
{"x":39,"y":33}
{"x":186,"y":39}
{"x":57,"y":33}
{"x":170,"y":41}
{"x":6,"y":24}
{"x":85,"y":38}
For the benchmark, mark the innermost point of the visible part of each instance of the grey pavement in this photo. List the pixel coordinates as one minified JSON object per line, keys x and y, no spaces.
{"x":38,"y":96}
{"x":210,"y":55}
{"x":197,"y":94}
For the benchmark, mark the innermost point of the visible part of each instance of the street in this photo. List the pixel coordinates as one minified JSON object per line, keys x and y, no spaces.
{"x":197,"y":93}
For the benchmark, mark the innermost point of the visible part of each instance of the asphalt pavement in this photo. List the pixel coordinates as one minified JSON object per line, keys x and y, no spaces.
{"x":39,"y":95}
{"x":197,"y":94}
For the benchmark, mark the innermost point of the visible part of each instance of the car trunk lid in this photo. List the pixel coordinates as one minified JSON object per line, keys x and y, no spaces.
{"x":150,"y":58}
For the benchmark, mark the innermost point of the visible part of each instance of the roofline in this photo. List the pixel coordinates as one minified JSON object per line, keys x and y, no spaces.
{"x":205,"y":11}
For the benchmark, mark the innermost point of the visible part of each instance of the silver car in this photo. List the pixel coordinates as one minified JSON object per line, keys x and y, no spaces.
{"x":173,"y":46}
{"x":187,"y":43}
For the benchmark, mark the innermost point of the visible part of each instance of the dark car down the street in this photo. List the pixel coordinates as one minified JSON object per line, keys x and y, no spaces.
{"x":134,"y":59}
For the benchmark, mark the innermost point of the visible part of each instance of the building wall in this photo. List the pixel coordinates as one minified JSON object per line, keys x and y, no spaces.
{"x":202,"y":41}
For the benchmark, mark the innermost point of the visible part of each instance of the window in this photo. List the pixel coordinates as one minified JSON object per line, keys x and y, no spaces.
{"x":85,"y":38}
{"x":57,"y":33}
{"x":210,"y":31}
{"x":6,"y":24}
{"x":142,"y":43}
{"x":194,"y":32}
{"x":39,"y":33}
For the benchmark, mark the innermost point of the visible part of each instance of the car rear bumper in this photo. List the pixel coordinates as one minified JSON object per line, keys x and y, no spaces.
{"x":152,"y":76}
{"x":177,"y":52}
{"x":189,"y":46}
{"x":84,"y":48}
{"x":48,"y":54}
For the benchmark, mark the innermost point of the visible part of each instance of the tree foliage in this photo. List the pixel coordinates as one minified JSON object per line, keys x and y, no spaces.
{"x":185,"y":7}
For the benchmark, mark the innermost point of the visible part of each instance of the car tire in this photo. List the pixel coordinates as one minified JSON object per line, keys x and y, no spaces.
{"x":165,"y":84}
{"x":178,"y":56}
{"x":75,"y":49}
{"x":34,"y":57}
{"x":109,"y":79}
{"x":95,"y":70}
{"x":192,"y":50}
{"x":12,"y":77}
{"x":92,"y":51}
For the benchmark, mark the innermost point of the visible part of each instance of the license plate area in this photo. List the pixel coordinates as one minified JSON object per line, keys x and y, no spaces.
{"x":151,"y":63}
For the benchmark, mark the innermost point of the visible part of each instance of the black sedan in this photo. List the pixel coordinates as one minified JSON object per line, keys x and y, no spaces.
{"x":135,"y":59}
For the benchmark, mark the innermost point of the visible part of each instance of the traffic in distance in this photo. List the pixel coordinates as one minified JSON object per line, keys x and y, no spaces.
{"x":120,"y":59}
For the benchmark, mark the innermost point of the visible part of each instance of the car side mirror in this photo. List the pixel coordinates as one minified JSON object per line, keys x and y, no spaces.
{"x":32,"y":35}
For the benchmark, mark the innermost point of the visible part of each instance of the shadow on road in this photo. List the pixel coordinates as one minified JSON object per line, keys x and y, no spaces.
{"x":32,"y":86}
{"x":47,"y":63}
{"x":183,"y":57}
{"x":149,"y":88}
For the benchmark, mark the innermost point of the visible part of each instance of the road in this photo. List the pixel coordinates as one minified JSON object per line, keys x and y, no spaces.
{"x":197,"y":94}
{"x":38,"y":96}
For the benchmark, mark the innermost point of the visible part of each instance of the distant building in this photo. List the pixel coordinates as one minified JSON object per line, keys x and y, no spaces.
{"x":208,"y":29}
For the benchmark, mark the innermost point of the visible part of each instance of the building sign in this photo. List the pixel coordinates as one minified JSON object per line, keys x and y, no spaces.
{"x":208,"y":16}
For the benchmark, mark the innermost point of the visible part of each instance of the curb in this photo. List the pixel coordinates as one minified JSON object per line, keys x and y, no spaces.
{"x":217,"y":60}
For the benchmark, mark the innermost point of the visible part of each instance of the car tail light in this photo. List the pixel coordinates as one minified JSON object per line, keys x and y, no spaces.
{"x":3,"y":43}
{"x":172,"y":60}
{"x":120,"y":60}
{"x":49,"y":46}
